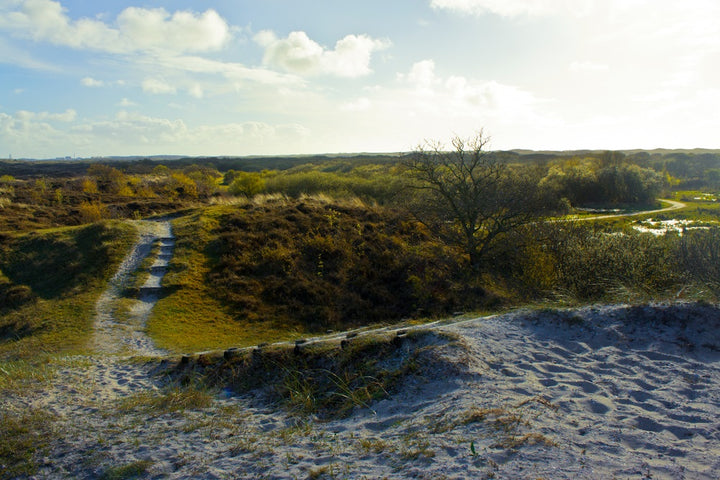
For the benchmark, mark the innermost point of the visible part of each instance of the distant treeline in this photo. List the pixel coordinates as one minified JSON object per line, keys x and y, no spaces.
{"x":36,"y":194}
{"x":685,"y":165}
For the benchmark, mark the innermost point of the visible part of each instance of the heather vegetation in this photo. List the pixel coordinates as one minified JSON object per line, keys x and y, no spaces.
{"x":274,"y":248}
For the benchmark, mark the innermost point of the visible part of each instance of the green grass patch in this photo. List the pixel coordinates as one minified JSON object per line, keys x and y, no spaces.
{"x":17,"y":375}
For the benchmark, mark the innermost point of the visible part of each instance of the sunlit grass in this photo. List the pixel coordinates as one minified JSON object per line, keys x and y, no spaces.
{"x":192,"y":321}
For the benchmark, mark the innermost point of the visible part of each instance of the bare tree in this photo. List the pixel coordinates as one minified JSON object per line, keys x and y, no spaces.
{"x":467,"y":196}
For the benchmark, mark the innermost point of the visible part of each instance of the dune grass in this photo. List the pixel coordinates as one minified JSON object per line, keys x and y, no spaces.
{"x":323,"y":378}
{"x":128,"y":471}
{"x":173,"y":398}
{"x":273,"y":268}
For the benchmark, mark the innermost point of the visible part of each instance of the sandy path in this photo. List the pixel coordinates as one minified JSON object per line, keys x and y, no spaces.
{"x":112,"y":335}
{"x":85,"y":390}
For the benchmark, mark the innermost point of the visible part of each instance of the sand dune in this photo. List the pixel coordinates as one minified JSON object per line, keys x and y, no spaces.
{"x":599,"y":392}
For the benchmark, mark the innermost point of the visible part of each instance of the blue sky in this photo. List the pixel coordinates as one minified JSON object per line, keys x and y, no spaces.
{"x":242,"y":77}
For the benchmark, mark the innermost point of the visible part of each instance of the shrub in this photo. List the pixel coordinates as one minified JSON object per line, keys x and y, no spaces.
{"x":327,"y":265}
{"x":698,"y":253}
{"x":246,"y":183}
{"x":92,"y":212}
{"x":593,"y":263}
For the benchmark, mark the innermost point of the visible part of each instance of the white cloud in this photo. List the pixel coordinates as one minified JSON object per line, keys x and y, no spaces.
{"x":196,"y":91}
{"x":32,"y":135}
{"x":10,"y":54}
{"x":421,"y":75}
{"x":231,"y":70}
{"x":462,"y":95}
{"x":588,"y":67}
{"x":126,"y":103}
{"x":182,"y":31}
{"x":157,"y":87}
{"x":432,"y":105}
{"x":91,"y":82}
{"x":140,"y":128}
{"x":137,"y":29}
{"x":299,"y":54}
{"x":25,"y":116}
{"x":513,"y":8}
{"x":26,"y":133}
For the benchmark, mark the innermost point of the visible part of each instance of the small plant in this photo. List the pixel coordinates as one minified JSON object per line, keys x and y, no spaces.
{"x":508,"y":424}
{"x":416,"y":446}
{"x":127,"y":472}
{"x":513,"y":441}
{"x":374,"y":445}
{"x":319,"y":472}
{"x":173,"y":399}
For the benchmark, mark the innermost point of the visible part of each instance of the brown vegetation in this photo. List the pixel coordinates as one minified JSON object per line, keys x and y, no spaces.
{"x":332,"y":265}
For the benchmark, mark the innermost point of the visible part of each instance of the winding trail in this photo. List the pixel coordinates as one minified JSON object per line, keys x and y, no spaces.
{"x":674,"y":205}
{"x":85,"y":390}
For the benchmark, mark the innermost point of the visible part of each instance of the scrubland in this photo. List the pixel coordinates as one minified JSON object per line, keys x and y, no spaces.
{"x":427,"y":382}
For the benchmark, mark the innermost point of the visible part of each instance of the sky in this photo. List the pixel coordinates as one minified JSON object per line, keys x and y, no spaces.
{"x":86,"y":78}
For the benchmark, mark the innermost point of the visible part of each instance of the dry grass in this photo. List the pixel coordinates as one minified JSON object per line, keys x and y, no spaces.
{"x":127,"y":472}
{"x":510,"y":427}
{"x":321,"y":379}
{"x":171,"y":399}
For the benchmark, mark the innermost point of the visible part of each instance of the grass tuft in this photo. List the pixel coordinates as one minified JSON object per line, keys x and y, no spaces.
{"x":172,"y":399}
{"x":127,"y":472}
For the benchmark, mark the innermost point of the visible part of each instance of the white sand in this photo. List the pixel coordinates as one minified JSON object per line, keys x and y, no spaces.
{"x":606,"y":392}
